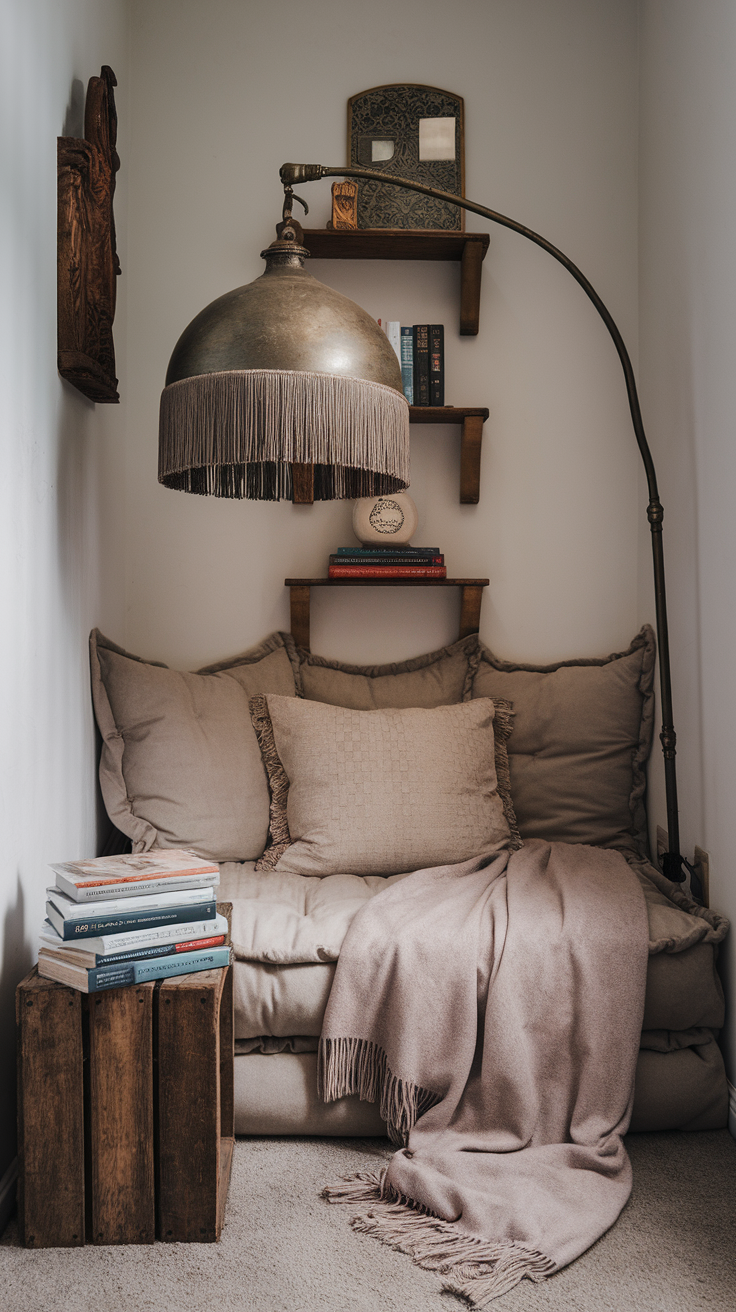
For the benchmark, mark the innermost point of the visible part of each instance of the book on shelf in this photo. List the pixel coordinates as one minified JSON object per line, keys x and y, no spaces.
{"x":386,"y":571}
{"x":407,"y":363}
{"x":105,"y":877}
{"x":387,"y":558}
{"x":121,"y":975}
{"x":436,"y":364}
{"x":70,"y":920}
{"x":393,"y":332}
{"x":105,"y":950}
{"x":421,"y":364}
{"x":382,"y":550}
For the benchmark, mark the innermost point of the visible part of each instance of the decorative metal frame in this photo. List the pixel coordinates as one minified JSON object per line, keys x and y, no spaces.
{"x":674,"y":865}
{"x":394,"y":110}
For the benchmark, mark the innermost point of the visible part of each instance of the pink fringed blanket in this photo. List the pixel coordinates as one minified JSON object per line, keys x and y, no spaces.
{"x":495,"y":1011}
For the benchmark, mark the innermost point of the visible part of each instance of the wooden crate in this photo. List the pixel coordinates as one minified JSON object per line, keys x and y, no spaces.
{"x":194,"y":1050}
{"x":125,"y":1111}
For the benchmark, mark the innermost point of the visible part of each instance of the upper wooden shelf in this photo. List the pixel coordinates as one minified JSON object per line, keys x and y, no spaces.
{"x":472,"y":419}
{"x":407,"y":244}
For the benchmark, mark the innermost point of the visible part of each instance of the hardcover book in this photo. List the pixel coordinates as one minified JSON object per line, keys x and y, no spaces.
{"x":407,"y":363}
{"x":389,"y":558}
{"x":381,"y":550}
{"x":387,"y":571}
{"x":135,"y":972}
{"x":436,"y":364}
{"x":116,"y":922}
{"x":421,"y":364}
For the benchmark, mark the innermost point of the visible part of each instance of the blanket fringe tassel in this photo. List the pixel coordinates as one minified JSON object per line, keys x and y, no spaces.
{"x":348,"y":1066}
{"x":479,"y":1271}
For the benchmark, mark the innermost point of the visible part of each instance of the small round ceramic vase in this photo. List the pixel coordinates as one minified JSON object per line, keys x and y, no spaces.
{"x":392,"y":520}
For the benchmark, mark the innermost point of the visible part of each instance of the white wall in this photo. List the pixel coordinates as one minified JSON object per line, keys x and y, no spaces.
{"x":61,"y":491}
{"x":688,"y":350}
{"x":221,"y":95}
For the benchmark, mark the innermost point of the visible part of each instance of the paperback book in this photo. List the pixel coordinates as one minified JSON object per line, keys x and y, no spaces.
{"x":134,"y":875}
{"x":102,"y":946}
{"x":82,"y":952}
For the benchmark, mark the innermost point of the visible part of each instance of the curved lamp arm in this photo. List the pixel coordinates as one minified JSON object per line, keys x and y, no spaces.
{"x":674,"y":864}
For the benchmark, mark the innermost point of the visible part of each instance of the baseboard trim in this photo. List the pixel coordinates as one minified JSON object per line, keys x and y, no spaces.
{"x":732,"y":1109}
{"x":7,"y":1193}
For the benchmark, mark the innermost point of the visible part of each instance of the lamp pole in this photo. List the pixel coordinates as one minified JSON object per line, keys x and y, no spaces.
{"x":674,"y":864}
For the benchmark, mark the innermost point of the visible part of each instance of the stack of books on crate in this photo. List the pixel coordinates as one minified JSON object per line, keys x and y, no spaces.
{"x":421,"y":354}
{"x":387,"y":562}
{"x":121,"y":920}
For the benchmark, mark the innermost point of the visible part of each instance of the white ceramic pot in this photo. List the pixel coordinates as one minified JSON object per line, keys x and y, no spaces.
{"x":391,"y":520}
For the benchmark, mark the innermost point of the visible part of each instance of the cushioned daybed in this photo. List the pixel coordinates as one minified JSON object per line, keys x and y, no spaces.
{"x":181,"y":767}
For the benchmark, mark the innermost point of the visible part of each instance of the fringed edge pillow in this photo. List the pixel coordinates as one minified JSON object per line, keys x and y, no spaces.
{"x":385,"y":791}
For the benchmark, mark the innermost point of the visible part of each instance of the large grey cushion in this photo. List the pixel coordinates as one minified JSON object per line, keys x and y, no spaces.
{"x":437,"y":679}
{"x":180,"y":763}
{"x":581,"y":739}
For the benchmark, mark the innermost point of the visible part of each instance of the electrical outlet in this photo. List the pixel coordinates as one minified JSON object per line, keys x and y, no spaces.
{"x":663,"y":844}
{"x":701,"y":861}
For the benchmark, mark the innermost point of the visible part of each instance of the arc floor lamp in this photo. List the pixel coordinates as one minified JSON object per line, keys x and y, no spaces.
{"x":286,"y":373}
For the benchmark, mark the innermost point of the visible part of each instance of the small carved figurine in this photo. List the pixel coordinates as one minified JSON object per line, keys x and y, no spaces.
{"x":345,"y":204}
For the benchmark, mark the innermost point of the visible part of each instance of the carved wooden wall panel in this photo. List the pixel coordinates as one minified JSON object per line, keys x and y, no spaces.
{"x":87,"y":261}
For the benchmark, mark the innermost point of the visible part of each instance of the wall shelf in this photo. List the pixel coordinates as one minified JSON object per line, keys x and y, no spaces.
{"x":301,"y":589}
{"x":469,"y":248}
{"x":472,"y":419}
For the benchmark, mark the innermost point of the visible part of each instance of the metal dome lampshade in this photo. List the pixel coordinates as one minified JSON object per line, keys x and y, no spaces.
{"x":284,"y":372}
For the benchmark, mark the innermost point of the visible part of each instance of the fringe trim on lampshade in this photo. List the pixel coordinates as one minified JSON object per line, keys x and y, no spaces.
{"x":350,"y":1065}
{"x":238,"y":432}
{"x":479,"y":1269}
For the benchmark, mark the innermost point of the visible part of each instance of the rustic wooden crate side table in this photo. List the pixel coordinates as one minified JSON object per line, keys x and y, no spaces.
{"x":125,"y":1110}
{"x":194,"y":1056}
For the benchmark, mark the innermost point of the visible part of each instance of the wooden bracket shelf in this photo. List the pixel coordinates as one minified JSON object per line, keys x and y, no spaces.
{"x":472,"y":419}
{"x":469,"y":248}
{"x":300,"y":595}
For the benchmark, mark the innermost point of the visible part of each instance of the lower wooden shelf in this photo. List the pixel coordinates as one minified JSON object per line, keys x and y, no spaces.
{"x":301,"y":590}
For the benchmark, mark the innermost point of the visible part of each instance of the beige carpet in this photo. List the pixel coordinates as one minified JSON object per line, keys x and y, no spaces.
{"x":285,"y":1250}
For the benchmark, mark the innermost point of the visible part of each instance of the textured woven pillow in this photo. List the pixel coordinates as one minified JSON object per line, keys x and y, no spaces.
{"x":180,"y":764}
{"x":582,"y":735}
{"x":437,"y":679}
{"x":378,"y":792}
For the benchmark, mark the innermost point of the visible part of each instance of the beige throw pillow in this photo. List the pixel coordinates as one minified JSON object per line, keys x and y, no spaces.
{"x":180,"y":764}
{"x":582,"y":735}
{"x":379,"y":792}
